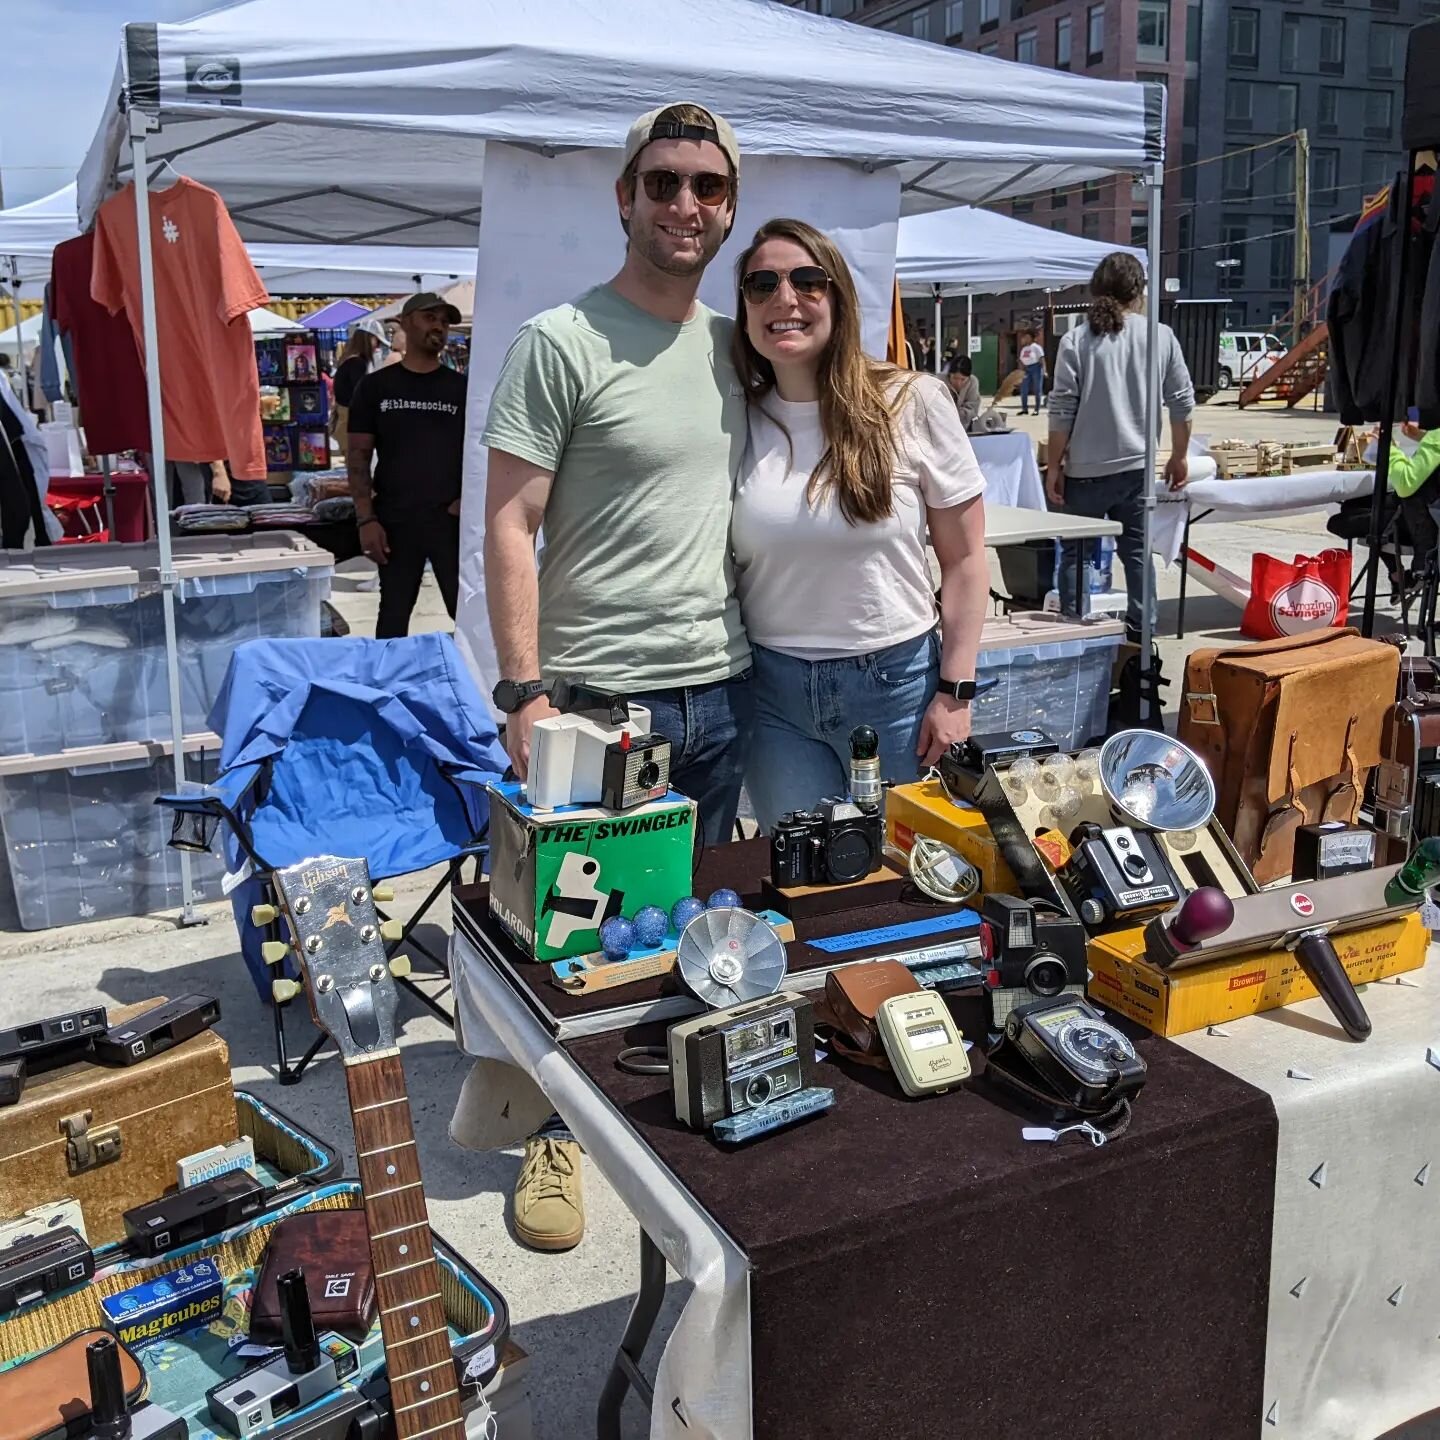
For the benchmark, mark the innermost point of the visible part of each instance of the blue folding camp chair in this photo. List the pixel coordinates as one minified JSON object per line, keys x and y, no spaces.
{"x":355,"y":747}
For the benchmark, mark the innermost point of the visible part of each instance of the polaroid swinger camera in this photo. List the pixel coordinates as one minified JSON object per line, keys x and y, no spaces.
{"x":1030,"y":951}
{"x":598,"y":751}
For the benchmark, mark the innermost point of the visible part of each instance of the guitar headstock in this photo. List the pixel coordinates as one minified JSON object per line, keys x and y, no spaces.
{"x":339,"y":944}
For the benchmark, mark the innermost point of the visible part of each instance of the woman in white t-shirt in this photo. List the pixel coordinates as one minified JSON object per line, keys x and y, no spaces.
{"x":849,"y":462}
{"x":1032,"y":360}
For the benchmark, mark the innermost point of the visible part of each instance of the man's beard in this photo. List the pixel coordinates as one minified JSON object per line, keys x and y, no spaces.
{"x":652,"y":247}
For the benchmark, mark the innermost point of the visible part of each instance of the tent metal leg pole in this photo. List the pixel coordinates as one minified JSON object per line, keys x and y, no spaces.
{"x":1154,"y":181}
{"x":140,"y":125}
{"x":107,"y":494}
{"x":935,"y":350}
{"x":969,"y":323}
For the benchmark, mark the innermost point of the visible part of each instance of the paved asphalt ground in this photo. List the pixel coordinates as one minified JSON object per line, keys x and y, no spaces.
{"x":568,"y":1310}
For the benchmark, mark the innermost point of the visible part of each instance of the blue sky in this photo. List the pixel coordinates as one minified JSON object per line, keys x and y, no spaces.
{"x":55,"y":70}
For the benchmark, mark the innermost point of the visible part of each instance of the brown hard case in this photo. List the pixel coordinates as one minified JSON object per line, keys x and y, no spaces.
{"x":332,"y":1247}
{"x":1289,"y":730}
{"x":49,"y":1395}
{"x":166,"y":1107}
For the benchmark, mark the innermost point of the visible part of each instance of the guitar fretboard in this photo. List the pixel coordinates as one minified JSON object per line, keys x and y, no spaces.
{"x":407,"y":1280}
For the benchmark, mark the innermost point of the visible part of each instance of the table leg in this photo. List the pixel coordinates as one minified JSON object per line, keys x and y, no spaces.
{"x":625,"y":1374}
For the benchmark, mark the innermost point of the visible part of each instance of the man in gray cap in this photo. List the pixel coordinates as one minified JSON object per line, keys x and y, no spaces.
{"x":411,"y":416}
{"x":618,"y":423}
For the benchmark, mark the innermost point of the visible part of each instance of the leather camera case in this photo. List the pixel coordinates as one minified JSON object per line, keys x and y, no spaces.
{"x":48,"y":1397}
{"x":332,"y":1247}
{"x":853,"y":994}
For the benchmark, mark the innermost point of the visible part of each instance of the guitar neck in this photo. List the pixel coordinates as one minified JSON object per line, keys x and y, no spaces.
{"x":407,"y":1280}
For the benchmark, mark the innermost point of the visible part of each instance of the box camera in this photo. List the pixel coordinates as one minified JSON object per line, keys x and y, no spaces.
{"x":591,"y":758}
{"x":728,"y":1062}
{"x":962,"y":765}
{"x":1031,"y":951}
{"x":834,"y":844}
{"x":1117,"y":873}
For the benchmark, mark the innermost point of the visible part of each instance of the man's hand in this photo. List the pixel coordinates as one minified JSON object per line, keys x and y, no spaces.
{"x":453,"y":508}
{"x":220,"y":490}
{"x":1177,"y":471}
{"x":374,"y":542}
{"x":517,"y":733}
{"x":1055,"y":485}
{"x":946,"y":721}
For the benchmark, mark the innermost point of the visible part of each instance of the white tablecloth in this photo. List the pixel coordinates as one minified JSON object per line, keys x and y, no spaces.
{"x":1011,"y":475}
{"x":1257,"y":498}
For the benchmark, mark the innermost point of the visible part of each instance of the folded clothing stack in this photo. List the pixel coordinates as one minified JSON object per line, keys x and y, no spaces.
{"x":282,"y":516}
{"x":210,"y":519}
{"x":339,"y":507}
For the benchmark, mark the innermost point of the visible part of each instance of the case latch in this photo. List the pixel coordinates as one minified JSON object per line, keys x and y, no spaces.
{"x":87,"y":1149}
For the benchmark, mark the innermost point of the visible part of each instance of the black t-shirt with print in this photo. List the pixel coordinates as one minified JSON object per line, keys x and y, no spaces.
{"x":418,"y":422}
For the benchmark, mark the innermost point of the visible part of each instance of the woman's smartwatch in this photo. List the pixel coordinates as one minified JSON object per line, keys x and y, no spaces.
{"x":510,"y":695}
{"x":957,"y":689}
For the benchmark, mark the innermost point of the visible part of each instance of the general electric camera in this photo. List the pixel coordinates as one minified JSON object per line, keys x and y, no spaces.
{"x":1116,"y":873}
{"x":602,"y":755}
{"x":750,"y":1057}
{"x":834,"y":844}
{"x":1031,"y":952}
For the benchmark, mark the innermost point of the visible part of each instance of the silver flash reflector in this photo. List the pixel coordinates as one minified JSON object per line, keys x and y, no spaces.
{"x":1155,"y":782}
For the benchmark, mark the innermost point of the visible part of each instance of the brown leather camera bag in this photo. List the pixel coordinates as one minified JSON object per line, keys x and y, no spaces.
{"x":1289,"y":729}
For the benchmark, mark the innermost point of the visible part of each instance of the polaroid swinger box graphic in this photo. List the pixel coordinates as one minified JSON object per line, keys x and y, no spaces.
{"x":557,"y":875}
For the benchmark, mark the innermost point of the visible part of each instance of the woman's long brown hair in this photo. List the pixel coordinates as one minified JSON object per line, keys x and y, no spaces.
{"x":859,"y":399}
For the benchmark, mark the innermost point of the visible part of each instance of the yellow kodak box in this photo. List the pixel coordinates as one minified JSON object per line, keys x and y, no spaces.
{"x":923,"y":808}
{"x":1171,"y":1002}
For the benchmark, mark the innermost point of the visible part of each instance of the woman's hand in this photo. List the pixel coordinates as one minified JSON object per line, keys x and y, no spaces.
{"x":947,"y":720}
{"x":1055,"y":485}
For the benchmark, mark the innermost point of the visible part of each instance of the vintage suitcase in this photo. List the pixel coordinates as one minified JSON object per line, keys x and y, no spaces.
{"x":1290,"y":729}
{"x":111,"y":1137}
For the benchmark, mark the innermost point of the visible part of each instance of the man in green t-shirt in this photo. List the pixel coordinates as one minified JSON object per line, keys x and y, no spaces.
{"x":618,"y":424}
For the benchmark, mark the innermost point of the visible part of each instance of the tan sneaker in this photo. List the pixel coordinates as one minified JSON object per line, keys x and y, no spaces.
{"x":549,"y":1211}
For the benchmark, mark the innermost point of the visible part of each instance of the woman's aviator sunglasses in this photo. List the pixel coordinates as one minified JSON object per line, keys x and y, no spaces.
{"x":808,"y":281}
{"x":708,"y":188}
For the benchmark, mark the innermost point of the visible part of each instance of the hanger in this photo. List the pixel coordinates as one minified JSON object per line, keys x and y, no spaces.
{"x":166,"y":169}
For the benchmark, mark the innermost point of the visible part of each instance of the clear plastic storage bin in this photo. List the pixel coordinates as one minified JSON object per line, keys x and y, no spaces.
{"x":82,"y":633}
{"x":84,"y":839}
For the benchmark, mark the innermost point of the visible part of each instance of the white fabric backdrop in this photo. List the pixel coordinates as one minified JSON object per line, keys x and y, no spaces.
{"x":551,"y":230}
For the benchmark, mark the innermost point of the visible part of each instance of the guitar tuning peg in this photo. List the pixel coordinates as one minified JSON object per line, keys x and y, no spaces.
{"x":284,"y":990}
{"x":391,"y":930}
{"x":399,"y":966}
{"x":263,"y":915}
{"x":272,"y":952}
{"x":383,"y":893}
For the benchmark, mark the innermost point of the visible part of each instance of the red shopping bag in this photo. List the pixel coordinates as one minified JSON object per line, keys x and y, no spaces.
{"x":1312,"y":592}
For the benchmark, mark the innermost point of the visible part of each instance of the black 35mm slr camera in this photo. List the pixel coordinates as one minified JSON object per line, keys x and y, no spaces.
{"x":834,"y":844}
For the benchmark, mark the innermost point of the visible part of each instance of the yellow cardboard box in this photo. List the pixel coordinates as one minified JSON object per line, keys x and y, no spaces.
{"x":1174,"y":1001}
{"x":923,"y":808}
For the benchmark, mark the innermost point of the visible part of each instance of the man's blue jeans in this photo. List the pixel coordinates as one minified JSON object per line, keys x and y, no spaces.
{"x":1113,"y":497}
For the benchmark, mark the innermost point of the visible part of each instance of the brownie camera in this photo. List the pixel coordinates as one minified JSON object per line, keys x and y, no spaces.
{"x":831,"y":845}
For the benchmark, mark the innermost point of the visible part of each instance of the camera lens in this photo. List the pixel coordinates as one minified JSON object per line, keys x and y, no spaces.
{"x":759,"y":1090}
{"x":647,"y":777}
{"x":1045,"y":975}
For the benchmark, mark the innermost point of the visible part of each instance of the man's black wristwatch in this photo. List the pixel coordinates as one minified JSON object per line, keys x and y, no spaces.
{"x":957,"y":689}
{"x":510,"y":695}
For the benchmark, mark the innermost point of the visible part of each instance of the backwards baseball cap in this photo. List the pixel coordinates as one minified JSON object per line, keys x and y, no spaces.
{"x":651,"y":127}
{"x":429,"y":300}
{"x":371,"y":326}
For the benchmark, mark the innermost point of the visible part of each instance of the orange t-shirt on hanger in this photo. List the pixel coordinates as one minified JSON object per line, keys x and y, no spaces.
{"x":205,"y":286}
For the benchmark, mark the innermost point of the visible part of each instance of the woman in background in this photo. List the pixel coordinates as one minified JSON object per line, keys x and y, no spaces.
{"x":965,"y":388}
{"x":1032,"y":361}
{"x":850,"y":464}
{"x":357,"y":360}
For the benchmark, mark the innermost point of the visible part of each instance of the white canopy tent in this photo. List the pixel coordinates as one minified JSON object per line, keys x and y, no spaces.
{"x":972,"y":252}
{"x":338,"y":123}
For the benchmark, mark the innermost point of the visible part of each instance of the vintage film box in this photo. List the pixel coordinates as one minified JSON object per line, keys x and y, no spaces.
{"x":557,"y":875}
{"x":184,"y":1299}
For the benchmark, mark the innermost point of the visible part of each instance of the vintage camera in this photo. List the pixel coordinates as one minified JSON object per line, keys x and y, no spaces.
{"x":1116,"y":873}
{"x":834,"y":844}
{"x":601,"y":755}
{"x":1030,"y":951}
{"x":964,"y":764}
{"x":751,"y":1056}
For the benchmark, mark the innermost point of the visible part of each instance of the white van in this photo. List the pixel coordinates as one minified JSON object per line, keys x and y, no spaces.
{"x":1244,"y":353}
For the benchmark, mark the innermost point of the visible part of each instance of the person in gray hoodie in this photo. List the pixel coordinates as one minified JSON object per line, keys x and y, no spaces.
{"x":1096,"y":460}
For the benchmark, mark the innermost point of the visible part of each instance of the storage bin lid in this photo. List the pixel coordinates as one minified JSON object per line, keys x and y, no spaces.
{"x":88,"y":757}
{"x":1027,"y":627}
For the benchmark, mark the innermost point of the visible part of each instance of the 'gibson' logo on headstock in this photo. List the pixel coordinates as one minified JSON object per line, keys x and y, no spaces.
{"x":313,"y":879}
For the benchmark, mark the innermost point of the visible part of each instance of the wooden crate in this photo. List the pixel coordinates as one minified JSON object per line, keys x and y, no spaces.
{"x":1235,"y":460}
{"x":1307,"y":457}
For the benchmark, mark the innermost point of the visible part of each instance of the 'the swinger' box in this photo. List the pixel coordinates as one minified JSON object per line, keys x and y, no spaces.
{"x":1175,"y":1001}
{"x":557,"y":875}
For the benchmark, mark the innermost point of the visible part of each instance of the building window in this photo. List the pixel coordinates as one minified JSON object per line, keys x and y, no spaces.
{"x":1095,"y":35}
{"x":1139,"y":229}
{"x":1152,"y":31}
{"x":1193,"y":29}
{"x":1230,"y":275}
{"x":955,"y":19}
{"x":1379,"y":113}
{"x":1290,"y":42}
{"x":1191,"y":107}
{"x":1186,"y":236}
{"x":1240,"y":103}
{"x":1025,"y":47}
{"x":1283,"y":170}
{"x":993,"y":48}
{"x":1379,"y":170}
{"x":920,"y":24}
{"x":1235,"y":174}
{"x":1332,"y":44}
{"x":1022,"y":209}
{"x":1059,"y":199}
{"x":1090,"y":226}
{"x":1090,"y":195}
{"x":1287,"y":109}
{"x":989,"y":14}
{"x":1282,"y":262}
{"x":1062,"y":43}
{"x":1328,"y":112}
{"x":1244,"y":38}
{"x":1324,"y":176}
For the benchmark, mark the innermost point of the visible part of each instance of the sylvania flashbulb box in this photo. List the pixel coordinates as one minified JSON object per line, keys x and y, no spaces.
{"x":557,"y":875}
{"x":1172,"y":1002}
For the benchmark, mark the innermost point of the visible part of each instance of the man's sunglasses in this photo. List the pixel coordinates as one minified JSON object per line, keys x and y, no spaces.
{"x":708,"y":188}
{"x":809,"y":281}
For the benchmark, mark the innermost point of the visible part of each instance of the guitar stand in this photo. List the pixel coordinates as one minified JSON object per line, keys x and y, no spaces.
{"x":625,"y":1374}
